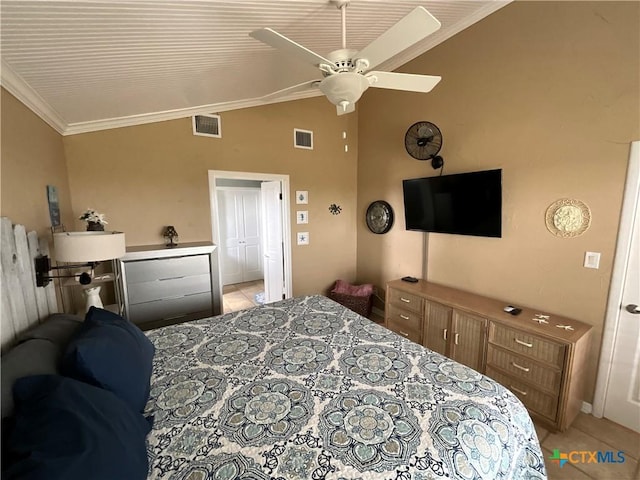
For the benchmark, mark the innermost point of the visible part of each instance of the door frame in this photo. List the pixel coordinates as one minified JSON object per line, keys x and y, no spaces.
{"x":623,"y":247}
{"x":285,"y":213}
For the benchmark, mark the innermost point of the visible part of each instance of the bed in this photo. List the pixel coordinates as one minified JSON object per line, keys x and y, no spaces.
{"x":298,"y":389}
{"x":306,"y":389}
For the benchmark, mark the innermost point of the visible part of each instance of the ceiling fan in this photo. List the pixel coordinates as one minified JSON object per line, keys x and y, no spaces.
{"x":347,"y":72}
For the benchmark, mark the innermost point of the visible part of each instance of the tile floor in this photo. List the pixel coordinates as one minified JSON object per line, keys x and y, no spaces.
{"x":588,"y":433}
{"x":240,"y":296}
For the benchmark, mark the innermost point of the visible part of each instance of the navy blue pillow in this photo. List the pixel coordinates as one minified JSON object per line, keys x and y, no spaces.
{"x":69,"y":430}
{"x":111,"y":353}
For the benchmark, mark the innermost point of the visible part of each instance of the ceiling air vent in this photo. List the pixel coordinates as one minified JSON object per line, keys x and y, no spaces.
{"x":207,"y":126}
{"x":303,"y":139}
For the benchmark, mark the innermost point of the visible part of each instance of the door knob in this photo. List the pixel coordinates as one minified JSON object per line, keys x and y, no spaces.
{"x":631,"y":308}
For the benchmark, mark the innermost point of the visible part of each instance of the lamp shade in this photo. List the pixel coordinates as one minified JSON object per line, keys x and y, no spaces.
{"x":88,"y":246}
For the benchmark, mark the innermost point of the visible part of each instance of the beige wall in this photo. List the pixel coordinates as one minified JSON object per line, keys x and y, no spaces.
{"x":32,"y":158}
{"x":546,"y":91}
{"x":549,"y":92}
{"x":148,"y":176}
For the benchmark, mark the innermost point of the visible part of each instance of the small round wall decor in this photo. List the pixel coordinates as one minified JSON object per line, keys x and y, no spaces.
{"x":379,"y":217}
{"x":568,"y":218}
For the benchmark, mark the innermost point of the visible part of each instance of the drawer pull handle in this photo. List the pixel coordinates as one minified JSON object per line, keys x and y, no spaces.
{"x":444,"y":334}
{"x":521,"y":392}
{"x":404,"y":317}
{"x":405,"y":300}
{"x":525,"y":344}
{"x":170,"y":278}
{"x":520,"y":367}
{"x":404,"y":334}
{"x":455,"y":339}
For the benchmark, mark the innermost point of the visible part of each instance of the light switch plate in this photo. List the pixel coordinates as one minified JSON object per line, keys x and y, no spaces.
{"x":592,"y":260}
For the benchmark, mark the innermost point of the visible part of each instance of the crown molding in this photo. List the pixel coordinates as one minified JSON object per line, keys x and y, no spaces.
{"x":20,"y":89}
{"x":107,"y":124}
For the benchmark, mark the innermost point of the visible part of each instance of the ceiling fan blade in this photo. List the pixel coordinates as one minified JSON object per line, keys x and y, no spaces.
{"x":301,"y":87}
{"x":403,"y":81}
{"x":343,"y":111}
{"x":410,"y":30}
{"x":276,"y":40}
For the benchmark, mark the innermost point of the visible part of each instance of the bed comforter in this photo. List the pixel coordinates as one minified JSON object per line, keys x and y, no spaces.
{"x":306,"y":389}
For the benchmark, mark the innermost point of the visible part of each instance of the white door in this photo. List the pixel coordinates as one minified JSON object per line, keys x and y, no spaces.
{"x":622,"y":403}
{"x":272,"y":235}
{"x":240,"y":229}
{"x":251,"y":241}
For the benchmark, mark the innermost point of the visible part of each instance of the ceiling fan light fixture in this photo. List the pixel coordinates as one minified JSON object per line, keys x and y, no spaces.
{"x":344,"y":87}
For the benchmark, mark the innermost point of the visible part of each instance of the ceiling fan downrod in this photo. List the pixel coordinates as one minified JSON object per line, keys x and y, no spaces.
{"x":342,"y":6}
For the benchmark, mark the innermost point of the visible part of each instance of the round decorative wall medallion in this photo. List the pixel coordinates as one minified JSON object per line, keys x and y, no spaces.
{"x":568,"y":218}
{"x":379,"y":217}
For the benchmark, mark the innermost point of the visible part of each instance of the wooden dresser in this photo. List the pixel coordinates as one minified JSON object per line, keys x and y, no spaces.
{"x":157,"y":286}
{"x":541,"y":363}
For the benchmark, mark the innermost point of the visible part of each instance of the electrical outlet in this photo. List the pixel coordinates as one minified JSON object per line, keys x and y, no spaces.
{"x":592,"y":260}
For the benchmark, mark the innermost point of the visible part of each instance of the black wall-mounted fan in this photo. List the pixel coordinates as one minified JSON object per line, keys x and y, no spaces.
{"x":423,"y":141}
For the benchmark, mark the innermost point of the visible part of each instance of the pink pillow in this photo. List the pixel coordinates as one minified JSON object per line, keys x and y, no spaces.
{"x":355,"y":290}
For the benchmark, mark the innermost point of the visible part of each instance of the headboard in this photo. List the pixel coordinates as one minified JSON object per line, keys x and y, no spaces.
{"x":23,"y":304}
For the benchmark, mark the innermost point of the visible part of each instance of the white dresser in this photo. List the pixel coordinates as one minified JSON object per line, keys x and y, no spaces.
{"x":157,"y":286}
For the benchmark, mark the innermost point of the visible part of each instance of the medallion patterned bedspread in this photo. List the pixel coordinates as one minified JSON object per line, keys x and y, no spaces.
{"x":306,"y":389}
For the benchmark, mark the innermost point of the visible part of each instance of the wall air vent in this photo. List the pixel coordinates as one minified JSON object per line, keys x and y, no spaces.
{"x":303,"y":139}
{"x":207,"y":126}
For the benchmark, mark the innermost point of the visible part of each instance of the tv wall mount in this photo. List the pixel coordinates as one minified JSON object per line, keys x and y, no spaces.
{"x":423,"y":141}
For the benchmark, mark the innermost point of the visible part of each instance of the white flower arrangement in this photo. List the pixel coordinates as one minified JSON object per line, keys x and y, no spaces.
{"x":91,"y":215}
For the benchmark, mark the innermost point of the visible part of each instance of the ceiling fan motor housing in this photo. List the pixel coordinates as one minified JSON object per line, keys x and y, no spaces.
{"x":343,"y":61}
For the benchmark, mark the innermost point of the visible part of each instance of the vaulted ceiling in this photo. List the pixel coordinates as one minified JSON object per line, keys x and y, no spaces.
{"x":86,"y":65}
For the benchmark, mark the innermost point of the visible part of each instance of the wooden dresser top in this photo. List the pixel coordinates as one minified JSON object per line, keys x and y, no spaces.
{"x":493,"y":309}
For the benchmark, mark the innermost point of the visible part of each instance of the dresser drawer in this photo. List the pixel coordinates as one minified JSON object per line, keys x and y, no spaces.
{"x":527,"y":344}
{"x":167,"y":288}
{"x":405,"y":300}
{"x":518,"y":366}
{"x":170,"y":308}
{"x":405,"y":323}
{"x":541,"y":403}
{"x":166,"y":268}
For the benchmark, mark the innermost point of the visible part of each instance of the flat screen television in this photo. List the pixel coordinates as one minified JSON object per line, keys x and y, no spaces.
{"x":463,"y":204}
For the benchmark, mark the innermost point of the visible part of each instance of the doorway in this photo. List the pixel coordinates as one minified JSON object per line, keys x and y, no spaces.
{"x":617,"y":395}
{"x":274,"y":222}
